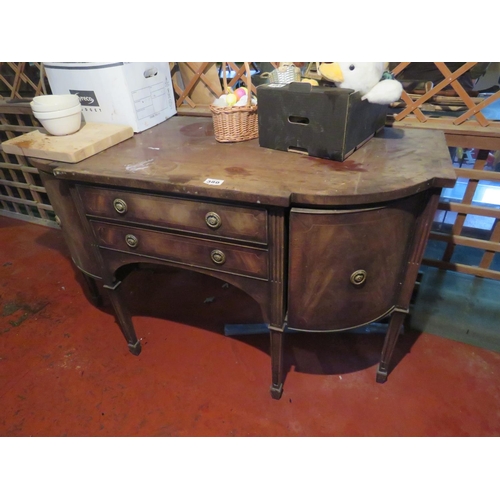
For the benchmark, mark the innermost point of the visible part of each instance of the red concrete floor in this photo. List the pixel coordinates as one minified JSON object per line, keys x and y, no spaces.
{"x":65,"y":369}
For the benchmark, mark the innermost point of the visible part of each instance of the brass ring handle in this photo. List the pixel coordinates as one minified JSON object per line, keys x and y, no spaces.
{"x":213,"y":220}
{"x":218,"y":257}
{"x":131,"y":240}
{"x":120,"y":206}
{"x":358,"y":277}
{"x":58,"y":221}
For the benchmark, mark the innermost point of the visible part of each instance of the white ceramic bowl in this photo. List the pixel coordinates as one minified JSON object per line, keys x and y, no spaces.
{"x":47,"y":103}
{"x":64,"y":122}
{"x":58,"y":113}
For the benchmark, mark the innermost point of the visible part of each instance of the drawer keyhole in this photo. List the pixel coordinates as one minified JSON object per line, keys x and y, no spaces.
{"x":213,"y":220}
{"x":120,"y":206}
{"x":131,"y":240}
{"x":218,"y":257}
{"x":358,"y":277}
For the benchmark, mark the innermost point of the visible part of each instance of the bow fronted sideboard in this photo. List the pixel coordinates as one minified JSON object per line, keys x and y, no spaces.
{"x":321,"y":245}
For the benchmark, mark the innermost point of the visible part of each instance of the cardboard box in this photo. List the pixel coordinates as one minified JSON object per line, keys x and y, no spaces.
{"x":326,"y":122}
{"x":136,"y":94}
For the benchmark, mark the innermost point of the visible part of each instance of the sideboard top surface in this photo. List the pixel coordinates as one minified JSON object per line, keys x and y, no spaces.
{"x":180,"y":155}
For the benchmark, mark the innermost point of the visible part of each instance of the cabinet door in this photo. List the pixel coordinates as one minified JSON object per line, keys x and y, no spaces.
{"x":346,"y":267}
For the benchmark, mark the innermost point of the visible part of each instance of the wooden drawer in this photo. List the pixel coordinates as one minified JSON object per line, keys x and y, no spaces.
{"x":228,"y":258}
{"x":239,"y":223}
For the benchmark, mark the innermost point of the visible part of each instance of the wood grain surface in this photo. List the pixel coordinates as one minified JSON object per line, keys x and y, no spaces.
{"x":180,"y":155}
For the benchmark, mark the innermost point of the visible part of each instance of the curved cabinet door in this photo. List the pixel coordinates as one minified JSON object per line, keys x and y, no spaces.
{"x":346,"y":267}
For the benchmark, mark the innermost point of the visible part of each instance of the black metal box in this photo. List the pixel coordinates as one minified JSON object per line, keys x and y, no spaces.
{"x":327,"y":122}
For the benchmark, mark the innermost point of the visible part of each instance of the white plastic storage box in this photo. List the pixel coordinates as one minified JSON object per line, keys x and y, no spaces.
{"x":138,"y":94}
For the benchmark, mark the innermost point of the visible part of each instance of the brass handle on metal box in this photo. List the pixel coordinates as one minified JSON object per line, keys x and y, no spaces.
{"x":218,"y":257}
{"x":213,"y":220}
{"x":131,"y":240}
{"x":120,"y":206}
{"x":358,"y":277}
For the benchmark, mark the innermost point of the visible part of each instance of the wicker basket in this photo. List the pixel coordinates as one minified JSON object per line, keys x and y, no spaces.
{"x":236,"y":123}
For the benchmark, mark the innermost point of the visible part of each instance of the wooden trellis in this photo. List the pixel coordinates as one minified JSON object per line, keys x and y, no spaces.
{"x":456,"y":238}
{"x":21,"y":79}
{"x":449,"y":79}
{"x":464,"y":126}
{"x":22,"y":195}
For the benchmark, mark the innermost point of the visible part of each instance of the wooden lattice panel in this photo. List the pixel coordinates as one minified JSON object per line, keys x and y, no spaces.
{"x":460,"y":117}
{"x":458,"y":237}
{"x":22,"y":195}
{"x":21,"y":79}
{"x":413,"y":105}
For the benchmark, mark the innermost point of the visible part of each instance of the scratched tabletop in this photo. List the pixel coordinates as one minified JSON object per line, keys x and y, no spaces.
{"x":181,"y":156}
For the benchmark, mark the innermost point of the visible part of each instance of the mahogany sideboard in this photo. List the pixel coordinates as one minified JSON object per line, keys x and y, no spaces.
{"x":321,"y":245}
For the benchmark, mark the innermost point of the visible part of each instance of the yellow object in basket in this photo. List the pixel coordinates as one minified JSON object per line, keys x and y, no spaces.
{"x":231,"y":100}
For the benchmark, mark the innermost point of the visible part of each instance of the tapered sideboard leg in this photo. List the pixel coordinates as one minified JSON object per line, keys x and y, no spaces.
{"x":277,"y":338}
{"x":124,"y":319}
{"x":391,"y":338}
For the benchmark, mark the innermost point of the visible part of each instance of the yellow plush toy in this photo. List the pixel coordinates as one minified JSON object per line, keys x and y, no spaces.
{"x":370,"y":79}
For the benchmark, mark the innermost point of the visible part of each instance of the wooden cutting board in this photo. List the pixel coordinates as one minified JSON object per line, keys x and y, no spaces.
{"x":92,"y":138}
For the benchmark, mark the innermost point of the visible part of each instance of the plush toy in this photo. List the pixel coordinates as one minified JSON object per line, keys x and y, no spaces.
{"x":374,"y":83}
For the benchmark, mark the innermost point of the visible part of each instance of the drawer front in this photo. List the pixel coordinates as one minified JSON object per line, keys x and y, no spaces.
{"x":346,"y":268}
{"x":239,"y":223}
{"x":190,"y":251}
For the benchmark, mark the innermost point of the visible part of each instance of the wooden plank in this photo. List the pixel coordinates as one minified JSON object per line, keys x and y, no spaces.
{"x":15,"y":106}
{"x":490,"y":253}
{"x":462,"y":208}
{"x":448,"y":100}
{"x":18,"y":128}
{"x":445,"y":124}
{"x":480,"y":175}
{"x":199,"y":110}
{"x":473,"y":141}
{"x":28,"y":218}
{"x":400,"y":67}
{"x":30,"y":187}
{"x":23,"y":168}
{"x":491,"y":246}
{"x":475,"y":109}
{"x":488,"y":137}
{"x":462,"y":268}
{"x":91,"y":139}
{"x":26,"y":202}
